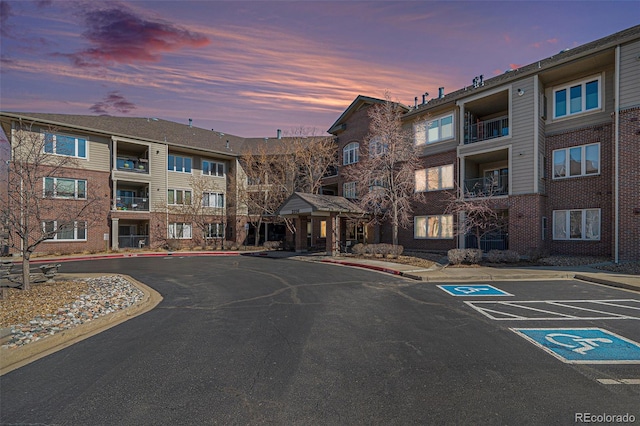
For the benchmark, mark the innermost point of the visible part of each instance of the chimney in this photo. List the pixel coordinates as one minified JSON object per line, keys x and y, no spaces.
{"x":190,"y":122}
{"x":424,"y":99}
{"x":440,"y":92}
{"x":279,"y":133}
{"x":415,"y":102}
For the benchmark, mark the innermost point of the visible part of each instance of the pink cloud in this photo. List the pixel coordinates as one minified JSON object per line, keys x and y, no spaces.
{"x":113,"y":100}
{"x":552,"y":41}
{"x":121,"y":36}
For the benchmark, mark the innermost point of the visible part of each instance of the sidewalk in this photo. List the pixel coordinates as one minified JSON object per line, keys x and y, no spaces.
{"x":440,"y":274}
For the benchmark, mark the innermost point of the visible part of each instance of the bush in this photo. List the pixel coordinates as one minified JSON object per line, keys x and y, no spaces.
{"x":358,"y":249}
{"x":379,"y":250}
{"x":272,"y":245}
{"x":458,"y":256}
{"x":503,"y":256}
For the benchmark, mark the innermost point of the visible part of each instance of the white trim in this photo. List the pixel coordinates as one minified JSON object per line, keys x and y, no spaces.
{"x":567,"y":88}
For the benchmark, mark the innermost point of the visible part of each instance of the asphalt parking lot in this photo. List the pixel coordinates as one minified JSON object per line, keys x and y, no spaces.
{"x":241,"y":340}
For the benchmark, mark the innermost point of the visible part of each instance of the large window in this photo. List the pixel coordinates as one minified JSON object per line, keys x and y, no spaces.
{"x":436,"y":130}
{"x":178,"y":197}
{"x":212,"y":168}
{"x":350,"y":153}
{"x":65,"y":188}
{"x":576,"y":98}
{"x":377,"y":147}
{"x":213,"y":199}
{"x":576,"y":161}
{"x":576,"y":224}
{"x":177,"y":163}
{"x":349,"y":190}
{"x":434,"y":178}
{"x":181,"y":231}
{"x":214,"y":230}
{"x":65,"y":231}
{"x":433,"y":227}
{"x":65,"y":145}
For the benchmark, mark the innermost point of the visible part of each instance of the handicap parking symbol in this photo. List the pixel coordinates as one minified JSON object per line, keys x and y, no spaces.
{"x":473,"y":290}
{"x":583,"y":345}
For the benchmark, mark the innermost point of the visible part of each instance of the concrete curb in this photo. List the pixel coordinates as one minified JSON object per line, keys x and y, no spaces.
{"x":11,"y":359}
{"x":606,"y":282}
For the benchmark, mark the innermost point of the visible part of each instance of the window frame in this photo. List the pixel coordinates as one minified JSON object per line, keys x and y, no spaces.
{"x":77,"y":225}
{"x":583,"y":225}
{"x":173,"y":228}
{"x":566,"y":88}
{"x":350,"y":188}
{"x":219,"y":233}
{"x":440,"y":137}
{"x":441,"y":234}
{"x":567,"y":161}
{"x":440,"y":174}
{"x":218,"y":196}
{"x":351,"y":153}
{"x":184,"y":193}
{"x":54,"y":145}
{"x":184,"y":163}
{"x":217,"y":165}
{"x":54,"y":192}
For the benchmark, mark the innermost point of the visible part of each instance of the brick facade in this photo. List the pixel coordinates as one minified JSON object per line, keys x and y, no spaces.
{"x":629,"y":171}
{"x":583,"y":192}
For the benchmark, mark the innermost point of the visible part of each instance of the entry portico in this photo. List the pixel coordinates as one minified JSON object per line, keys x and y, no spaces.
{"x":304,"y":208}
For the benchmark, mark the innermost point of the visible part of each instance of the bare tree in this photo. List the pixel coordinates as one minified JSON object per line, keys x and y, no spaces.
{"x":385,"y":171}
{"x":313,"y":158}
{"x":477,"y":210}
{"x":45,"y":199}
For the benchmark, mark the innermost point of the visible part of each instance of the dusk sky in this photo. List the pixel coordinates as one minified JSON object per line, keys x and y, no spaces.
{"x":249,"y":68}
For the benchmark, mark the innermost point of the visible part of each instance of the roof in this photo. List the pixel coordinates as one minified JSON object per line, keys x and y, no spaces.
{"x":358,"y":103}
{"x":300,"y":202}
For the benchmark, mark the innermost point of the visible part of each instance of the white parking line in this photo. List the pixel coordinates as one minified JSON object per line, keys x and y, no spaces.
{"x":619,"y":381}
{"x":526,"y":309}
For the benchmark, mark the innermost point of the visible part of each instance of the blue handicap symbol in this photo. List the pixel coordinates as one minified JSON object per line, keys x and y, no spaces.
{"x":473,"y":290}
{"x":583,"y":345}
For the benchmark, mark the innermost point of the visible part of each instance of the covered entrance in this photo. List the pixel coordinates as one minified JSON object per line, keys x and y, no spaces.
{"x":319,"y":221}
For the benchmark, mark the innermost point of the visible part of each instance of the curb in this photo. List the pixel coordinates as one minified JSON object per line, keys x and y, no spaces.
{"x":12,"y":359}
{"x":606,"y":282}
{"x":128,"y":255}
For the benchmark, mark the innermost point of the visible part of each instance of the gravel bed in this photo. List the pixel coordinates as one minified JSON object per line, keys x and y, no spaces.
{"x":104,"y":295}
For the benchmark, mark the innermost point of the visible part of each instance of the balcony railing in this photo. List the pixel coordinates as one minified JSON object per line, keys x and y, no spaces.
{"x":485,"y":130}
{"x":137,"y":204}
{"x":133,"y":241}
{"x":140,"y":165}
{"x":487,"y":186}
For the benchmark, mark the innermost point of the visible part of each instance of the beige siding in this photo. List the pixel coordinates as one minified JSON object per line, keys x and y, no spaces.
{"x":521,"y":128}
{"x":629,"y":75}
{"x":158,"y":172}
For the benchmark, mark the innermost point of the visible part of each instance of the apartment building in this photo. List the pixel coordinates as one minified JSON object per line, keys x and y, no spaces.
{"x":555,"y":144}
{"x":166,"y":184}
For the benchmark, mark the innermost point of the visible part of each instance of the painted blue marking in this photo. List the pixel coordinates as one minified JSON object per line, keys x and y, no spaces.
{"x":583,"y":345}
{"x":473,"y":290}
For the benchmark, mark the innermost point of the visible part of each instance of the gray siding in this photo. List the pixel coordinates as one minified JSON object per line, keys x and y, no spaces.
{"x":629,"y":74}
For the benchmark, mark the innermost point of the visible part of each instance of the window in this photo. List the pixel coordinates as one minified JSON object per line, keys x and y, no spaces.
{"x":178,"y":196}
{"x":214,"y":230}
{"x":576,"y":161}
{"x":178,"y":163}
{"x":350,"y":153}
{"x":435,"y":130}
{"x":212,"y":199}
{"x":433,"y":227}
{"x":544,"y":228}
{"x":181,"y":231}
{"x":65,"y":231}
{"x":377,"y":147}
{"x":349,"y":190}
{"x":576,"y":98}
{"x":576,"y":224}
{"x":212,"y":168}
{"x":434,"y":178}
{"x":323,"y":229}
{"x":65,"y":188}
{"x":65,"y":145}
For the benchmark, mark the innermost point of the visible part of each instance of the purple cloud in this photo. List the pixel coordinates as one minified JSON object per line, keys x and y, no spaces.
{"x":5,"y":14}
{"x":113,"y":100}
{"x":121,"y":36}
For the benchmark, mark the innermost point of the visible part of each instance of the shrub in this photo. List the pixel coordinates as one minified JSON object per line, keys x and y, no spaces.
{"x":473,"y":256}
{"x":272,"y":245}
{"x":379,"y":250}
{"x":458,"y":256}
{"x":503,"y":256}
{"x":358,"y":249}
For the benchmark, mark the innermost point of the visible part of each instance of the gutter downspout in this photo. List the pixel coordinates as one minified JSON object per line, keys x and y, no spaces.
{"x":616,"y":143}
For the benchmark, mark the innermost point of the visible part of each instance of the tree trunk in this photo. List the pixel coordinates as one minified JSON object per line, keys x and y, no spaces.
{"x":394,"y":238}
{"x":26,"y":281}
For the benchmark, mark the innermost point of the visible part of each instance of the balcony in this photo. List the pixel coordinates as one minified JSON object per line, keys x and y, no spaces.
{"x":136,"y":204}
{"x":491,"y":185}
{"x":488,"y":129}
{"x":133,"y":165}
{"x":133,"y":241}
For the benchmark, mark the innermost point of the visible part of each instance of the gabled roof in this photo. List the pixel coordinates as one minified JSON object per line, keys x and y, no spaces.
{"x":300,"y":202}
{"x":358,"y":103}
